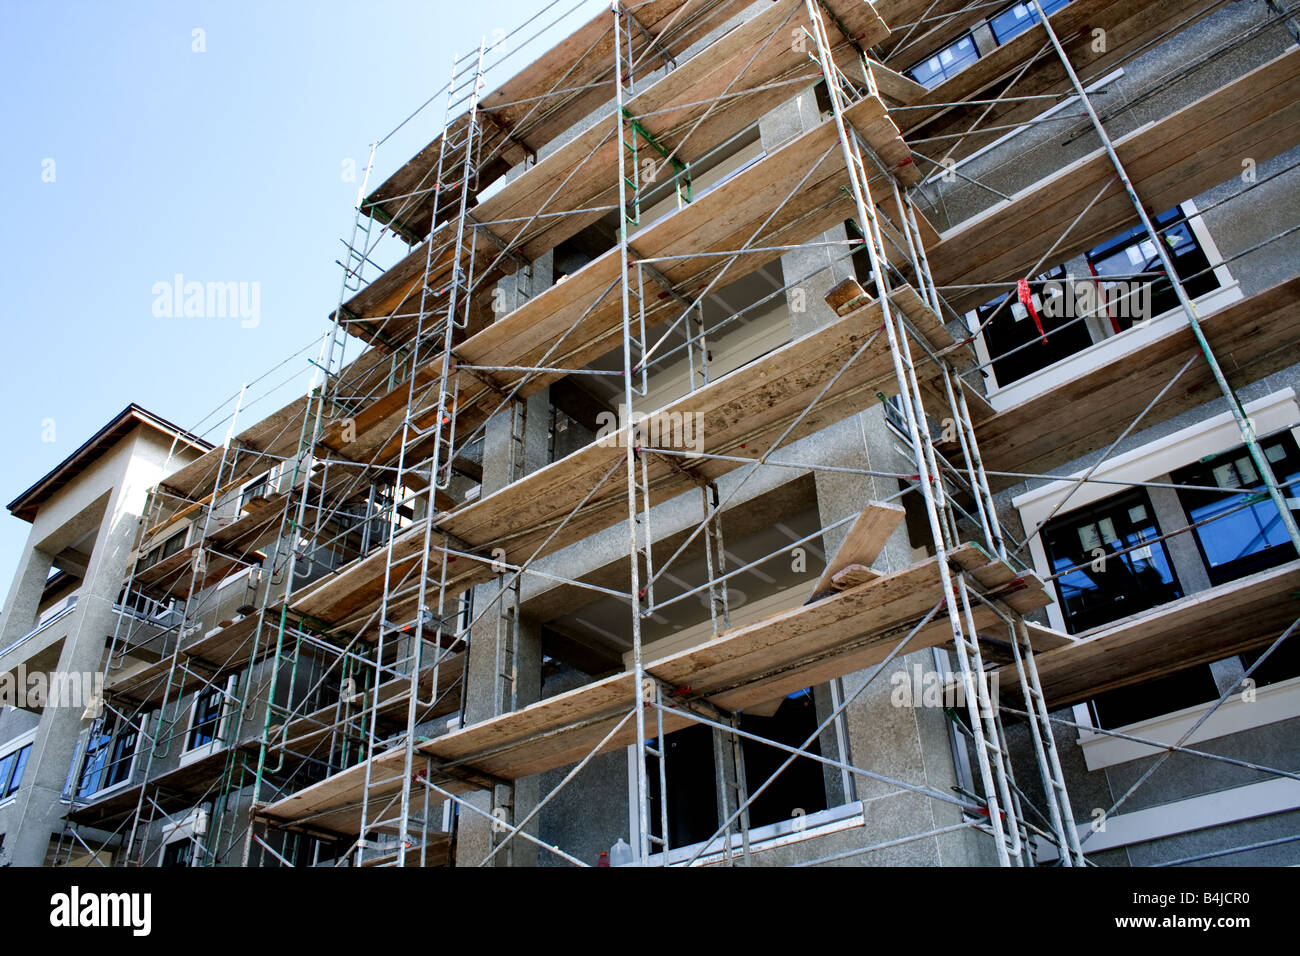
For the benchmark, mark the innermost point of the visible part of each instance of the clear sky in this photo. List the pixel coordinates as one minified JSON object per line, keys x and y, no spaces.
{"x":137,"y":149}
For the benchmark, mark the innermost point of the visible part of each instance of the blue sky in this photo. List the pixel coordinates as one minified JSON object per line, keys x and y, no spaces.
{"x":226,"y":165}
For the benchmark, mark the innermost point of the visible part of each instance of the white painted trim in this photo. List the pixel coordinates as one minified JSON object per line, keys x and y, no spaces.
{"x":18,"y":743}
{"x":1113,"y":348}
{"x":1201,"y":812}
{"x":1271,"y":413}
{"x":1273,"y":703}
{"x":218,"y":741}
{"x":127,"y":781}
{"x":847,"y":816}
{"x":1108,"y":348}
{"x":194,"y":823}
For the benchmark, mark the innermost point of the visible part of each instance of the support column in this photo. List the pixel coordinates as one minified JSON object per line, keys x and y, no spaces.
{"x":516,"y":443}
{"x":39,"y":812}
{"x":906,"y":742}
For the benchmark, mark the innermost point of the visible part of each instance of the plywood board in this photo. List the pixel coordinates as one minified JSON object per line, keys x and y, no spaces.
{"x":1201,"y":628}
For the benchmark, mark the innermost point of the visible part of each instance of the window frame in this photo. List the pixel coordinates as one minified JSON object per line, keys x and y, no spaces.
{"x":1107,"y":348}
{"x":1271,"y":414}
{"x":1048,"y":8}
{"x":192,"y":751}
{"x":1269,"y":557}
{"x":15,"y":750}
{"x":967,"y":37}
{"x":109,"y":748}
{"x":1121,"y":505}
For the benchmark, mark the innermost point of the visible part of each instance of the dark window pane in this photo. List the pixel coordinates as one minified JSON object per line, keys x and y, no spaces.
{"x":121,"y":754}
{"x":1132,"y":252}
{"x":1164,"y":695}
{"x":207,"y":717}
{"x":1015,"y":345}
{"x":801,"y":785}
{"x":1282,"y":664}
{"x":178,"y":853}
{"x":1108,"y":585}
{"x":6,"y":769}
{"x":692,"y":792}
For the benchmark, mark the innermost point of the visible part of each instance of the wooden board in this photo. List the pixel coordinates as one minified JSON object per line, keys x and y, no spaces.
{"x":1198,"y":629}
{"x":1171,"y":160}
{"x":585,"y":58}
{"x":306,"y":734}
{"x":1251,"y":338}
{"x":1129,"y":25}
{"x":745,"y":666}
{"x":741,"y":414}
{"x":179,"y":788}
{"x":865,"y":540}
{"x":222,"y":651}
{"x":435,"y":851}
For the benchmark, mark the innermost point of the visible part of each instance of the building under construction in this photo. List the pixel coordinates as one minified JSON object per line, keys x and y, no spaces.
{"x":757,"y":432}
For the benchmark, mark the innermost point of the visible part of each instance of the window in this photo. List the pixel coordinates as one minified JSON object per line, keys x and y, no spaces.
{"x":692,"y":792}
{"x":1084,"y":316}
{"x":110,"y":756}
{"x":164,"y":550}
{"x":1188,"y":687}
{"x":178,"y":853}
{"x":1106,"y":585}
{"x":1248,"y":539}
{"x":692,"y":783}
{"x":801,"y":787}
{"x":946,"y":63}
{"x":1155,"y":698}
{"x":138,"y":604}
{"x":254,"y":489}
{"x":205,"y":719}
{"x":12,"y":766}
{"x":1018,"y":18}
{"x":1014,"y":341}
{"x":1132,"y":251}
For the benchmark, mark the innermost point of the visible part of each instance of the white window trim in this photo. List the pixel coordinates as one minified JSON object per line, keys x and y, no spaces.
{"x":1273,"y":703}
{"x":846,"y":816}
{"x":1113,"y":348}
{"x":194,"y":823}
{"x":1271,"y":413}
{"x":1200,"y":812}
{"x":122,"y":784}
{"x":218,"y":741}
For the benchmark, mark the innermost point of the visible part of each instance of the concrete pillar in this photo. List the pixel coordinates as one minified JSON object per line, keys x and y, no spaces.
{"x":516,"y":443}
{"x":22,"y":607}
{"x":39,"y":811}
{"x":1184,"y":555}
{"x":903,"y":742}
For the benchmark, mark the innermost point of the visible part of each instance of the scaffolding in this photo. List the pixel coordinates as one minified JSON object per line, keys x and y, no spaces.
{"x":384,"y":546}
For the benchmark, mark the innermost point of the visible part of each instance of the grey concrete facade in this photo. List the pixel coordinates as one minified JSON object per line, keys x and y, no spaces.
{"x":521,"y":646}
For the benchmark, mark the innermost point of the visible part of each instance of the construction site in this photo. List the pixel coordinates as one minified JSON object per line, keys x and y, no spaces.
{"x":750,"y":433}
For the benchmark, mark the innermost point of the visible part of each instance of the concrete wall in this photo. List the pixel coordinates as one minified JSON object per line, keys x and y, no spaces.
{"x":114,"y":487}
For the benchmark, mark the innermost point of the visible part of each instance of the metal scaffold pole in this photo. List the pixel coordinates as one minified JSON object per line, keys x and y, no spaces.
{"x":1244,"y":424}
